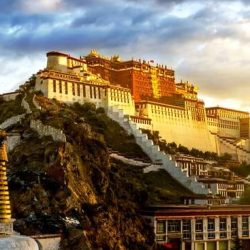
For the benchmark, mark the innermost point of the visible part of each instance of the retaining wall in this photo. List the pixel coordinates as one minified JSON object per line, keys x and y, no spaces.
{"x":45,"y":130}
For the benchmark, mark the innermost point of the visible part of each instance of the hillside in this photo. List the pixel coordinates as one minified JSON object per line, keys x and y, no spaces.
{"x":73,"y":187}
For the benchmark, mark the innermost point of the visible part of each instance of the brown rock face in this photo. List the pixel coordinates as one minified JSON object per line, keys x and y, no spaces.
{"x":73,"y":188}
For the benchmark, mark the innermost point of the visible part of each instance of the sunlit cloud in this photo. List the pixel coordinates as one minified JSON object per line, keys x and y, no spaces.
{"x":39,"y":6}
{"x":206,"y":42}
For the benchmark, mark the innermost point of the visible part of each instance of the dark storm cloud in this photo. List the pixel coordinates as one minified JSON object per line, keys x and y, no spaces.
{"x":61,"y":39}
{"x":92,"y":27}
{"x":105,"y":25}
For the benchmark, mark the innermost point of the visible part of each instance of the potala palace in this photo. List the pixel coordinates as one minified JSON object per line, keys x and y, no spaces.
{"x":141,"y":95}
{"x":148,"y":95}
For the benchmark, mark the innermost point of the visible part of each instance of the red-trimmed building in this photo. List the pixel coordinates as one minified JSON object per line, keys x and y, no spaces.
{"x":186,"y":227}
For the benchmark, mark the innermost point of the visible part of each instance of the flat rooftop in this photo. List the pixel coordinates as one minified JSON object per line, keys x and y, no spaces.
{"x":195,"y":210}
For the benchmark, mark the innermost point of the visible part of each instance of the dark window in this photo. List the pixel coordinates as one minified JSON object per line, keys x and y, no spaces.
{"x":174,"y":226}
{"x":99,"y":93}
{"x":199,"y":225}
{"x":245,"y":232}
{"x":54,"y":85}
{"x":84,"y":90}
{"x":73,"y":88}
{"x":60,"y":86}
{"x":78,"y":89}
{"x":211,"y":228}
{"x":223,"y":228}
{"x":234,"y":225}
{"x":66,"y":88}
{"x":90,"y":88}
{"x":223,"y":224}
{"x":161,"y":227}
{"x":186,"y":229}
{"x":210,"y":224}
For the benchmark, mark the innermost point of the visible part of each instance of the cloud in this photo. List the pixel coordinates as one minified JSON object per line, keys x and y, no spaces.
{"x":39,"y":6}
{"x":206,"y":42}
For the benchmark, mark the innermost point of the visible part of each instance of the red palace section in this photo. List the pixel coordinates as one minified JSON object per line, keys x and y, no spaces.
{"x":145,"y":80}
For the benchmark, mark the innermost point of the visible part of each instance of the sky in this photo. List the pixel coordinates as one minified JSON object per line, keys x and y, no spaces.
{"x":206,"y":42}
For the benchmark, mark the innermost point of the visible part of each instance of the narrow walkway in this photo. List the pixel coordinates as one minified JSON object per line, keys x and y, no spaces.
{"x":26,"y":105}
{"x":148,"y":167}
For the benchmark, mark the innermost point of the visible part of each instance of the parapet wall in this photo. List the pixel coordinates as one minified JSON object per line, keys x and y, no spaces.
{"x":45,"y":130}
{"x":10,"y":96}
{"x":47,"y":242}
{"x":11,"y":121}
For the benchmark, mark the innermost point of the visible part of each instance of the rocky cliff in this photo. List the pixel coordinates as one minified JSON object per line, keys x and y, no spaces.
{"x":73,"y":187}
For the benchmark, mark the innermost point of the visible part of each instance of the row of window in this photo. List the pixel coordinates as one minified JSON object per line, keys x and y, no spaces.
{"x":168,"y":111}
{"x":226,"y":113}
{"x":193,"y":165}
{"x":119,"y":96}
{"x":231,"y":186}
{"x":184,"y":227}
{"x":94,"y":91}
{"x":141,"y":121}
{"x":215,"y":124}
{"x":73,"y":63}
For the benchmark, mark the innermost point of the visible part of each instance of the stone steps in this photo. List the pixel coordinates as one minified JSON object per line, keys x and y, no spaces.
{"x":154,"y":153}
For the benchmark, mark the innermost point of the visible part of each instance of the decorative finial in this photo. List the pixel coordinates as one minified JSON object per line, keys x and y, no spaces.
{"x":94,"y":53}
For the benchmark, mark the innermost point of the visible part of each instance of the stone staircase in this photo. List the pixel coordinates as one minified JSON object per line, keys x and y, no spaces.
{"x":153,"y":151}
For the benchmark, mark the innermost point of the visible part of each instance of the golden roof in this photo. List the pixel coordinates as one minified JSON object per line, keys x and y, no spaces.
{"x":93,"y":52}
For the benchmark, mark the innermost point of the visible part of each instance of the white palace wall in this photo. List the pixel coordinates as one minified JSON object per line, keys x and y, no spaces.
{"x":177,"y":125}
{"x":101,"y":95}
{"x":192,"y":134}
{"x":174,"y":124}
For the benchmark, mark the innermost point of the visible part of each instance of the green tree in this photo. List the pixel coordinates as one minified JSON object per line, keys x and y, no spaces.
{"x":245,"y":199}
{"x":242,"y":170}
{"x":225,"y":157}
{"x":183,"y":149}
